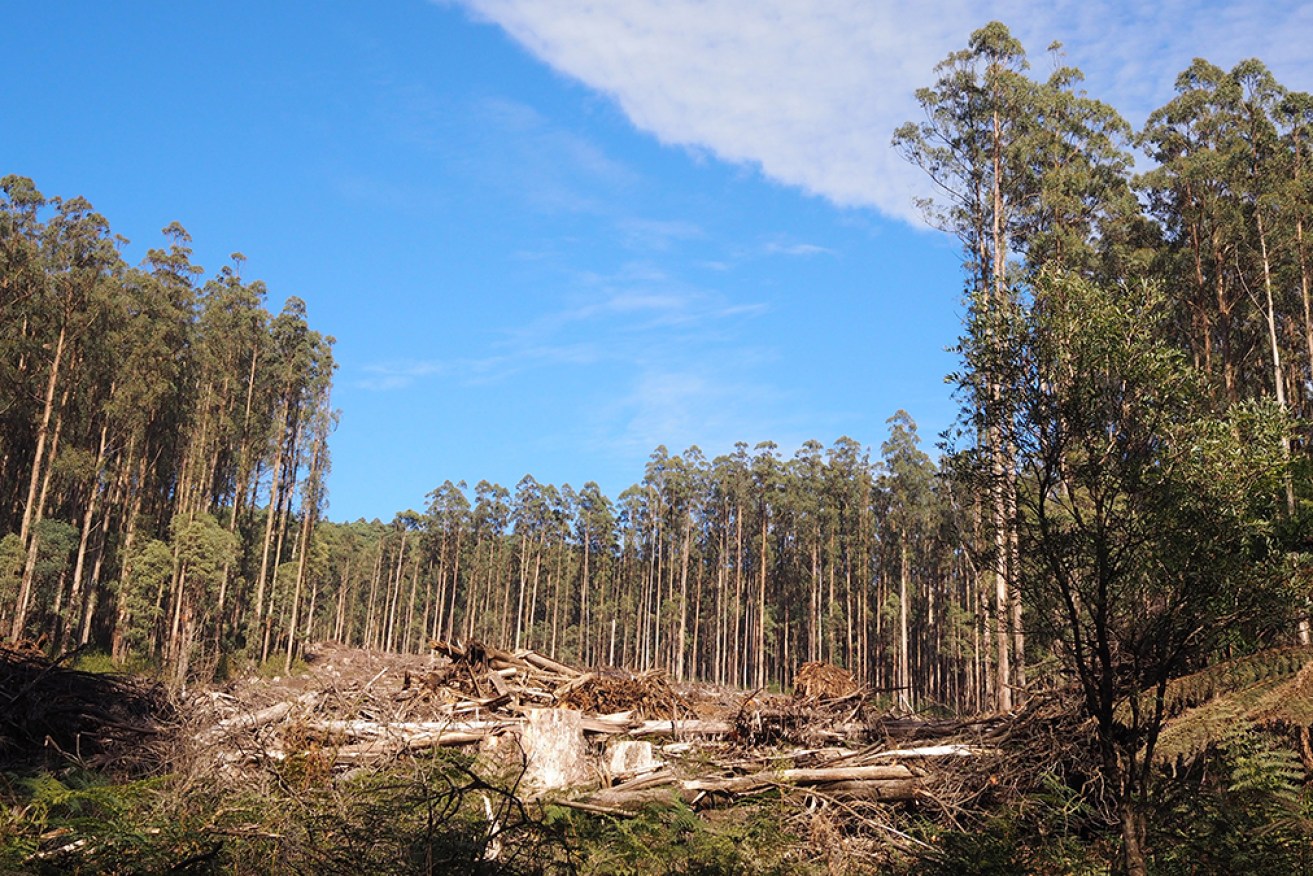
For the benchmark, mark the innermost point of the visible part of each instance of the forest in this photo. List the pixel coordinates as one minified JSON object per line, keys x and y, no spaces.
{"x":1124,"y":501}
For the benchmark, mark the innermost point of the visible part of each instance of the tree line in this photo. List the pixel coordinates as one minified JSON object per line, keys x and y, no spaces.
{"x":163,"y":439}
{"x":734,"y":569}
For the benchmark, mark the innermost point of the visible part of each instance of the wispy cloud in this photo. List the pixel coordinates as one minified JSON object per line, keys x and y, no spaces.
{"x":680,"y":408}
{"x":810,"y":93}
{"x":657,"y":234}
{"x":797,"y":249}
{"x":386,"y":376}
{"x":554,"y":169}
{"x":622,"y":320}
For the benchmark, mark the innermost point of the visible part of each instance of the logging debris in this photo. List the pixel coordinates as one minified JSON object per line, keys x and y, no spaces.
{"x":51,"y":713}
{"x":817,"y":680}
{"x":603,"y":740}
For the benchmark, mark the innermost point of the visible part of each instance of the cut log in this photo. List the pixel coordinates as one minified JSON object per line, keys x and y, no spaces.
{"x":535,"y":659}
{"x":889,"y":791}
{"x":254,"y":720}
{"x":884,"y":782}
{"x":627,"y":758}
{"x":954,"y":750}
{"x":742,"y":784}
{"x":691,"y":727}
{"x":407,"y":731}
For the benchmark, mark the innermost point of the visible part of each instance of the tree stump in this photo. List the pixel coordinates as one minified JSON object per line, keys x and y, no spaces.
{"x":555,"y":753}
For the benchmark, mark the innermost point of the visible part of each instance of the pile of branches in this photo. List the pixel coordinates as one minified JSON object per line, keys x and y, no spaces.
{"x":50,"y":713}
{"x":646,"y":695}
{"x":475,"y":671}
{"x":772,"y":721}
{"x":464,"y":694}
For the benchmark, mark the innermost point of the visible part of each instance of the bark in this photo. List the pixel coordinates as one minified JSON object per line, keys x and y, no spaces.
{"x":31,"y":510}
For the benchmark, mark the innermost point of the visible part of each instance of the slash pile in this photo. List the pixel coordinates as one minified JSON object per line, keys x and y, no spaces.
{"x":51,"y":713}
{"x":602,"y":740}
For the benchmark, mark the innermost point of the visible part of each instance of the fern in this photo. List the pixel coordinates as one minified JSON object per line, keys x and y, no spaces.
{"x":1272,"y":776}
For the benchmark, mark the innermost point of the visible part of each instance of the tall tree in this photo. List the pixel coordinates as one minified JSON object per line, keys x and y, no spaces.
{"x":909,"y":485}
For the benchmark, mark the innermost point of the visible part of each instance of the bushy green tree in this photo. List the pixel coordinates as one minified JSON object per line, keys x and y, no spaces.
{"x":1146,"y":520}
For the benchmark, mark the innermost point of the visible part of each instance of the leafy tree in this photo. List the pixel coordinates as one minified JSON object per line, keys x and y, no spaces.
{"x":1145,"y":522}
{"x":908,"y":485}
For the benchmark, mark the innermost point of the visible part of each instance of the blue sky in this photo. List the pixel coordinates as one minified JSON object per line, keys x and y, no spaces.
{"x":549,"y":236}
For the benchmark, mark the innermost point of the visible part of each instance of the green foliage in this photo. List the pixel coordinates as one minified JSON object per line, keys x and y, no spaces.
{"x":1039,"y":833}
{"x":428,"y":816}
{"x":1203,"y":707}
{"x":151,"y":569}
{"x":204,"y":547}
{"x":675,"y":840}
{"x":1144,"y":517}
{"x":80,"y":823}
{"x":95,"y":661}
{"x":11,"y":566}
{"x":1247,"y":809}
{"x":276,"y":667}
{"x":57,"y":539}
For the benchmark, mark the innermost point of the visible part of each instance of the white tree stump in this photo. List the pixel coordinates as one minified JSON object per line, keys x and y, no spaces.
{"x":556,"y":756}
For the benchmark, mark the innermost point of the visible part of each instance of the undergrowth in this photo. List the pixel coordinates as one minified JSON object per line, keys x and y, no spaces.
{"x":432,"y":815}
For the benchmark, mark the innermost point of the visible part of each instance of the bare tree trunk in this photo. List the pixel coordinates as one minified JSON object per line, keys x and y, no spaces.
{"x":75,"y":600}
{"x":904,"y":662}
{"x":680,"y":644}
{"x":32,"y":509}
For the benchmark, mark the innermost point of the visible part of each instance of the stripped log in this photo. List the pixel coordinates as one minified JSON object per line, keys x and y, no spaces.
{"x":817,"y":776}
{"x":254,"y":720}
{"x":407,"y":730}
{"x":690,"y":727}
{"x":882,"y":782}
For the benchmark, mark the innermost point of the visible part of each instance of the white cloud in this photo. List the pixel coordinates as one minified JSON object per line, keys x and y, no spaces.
{"x":779,"y":247}
{"x":810,"y":92}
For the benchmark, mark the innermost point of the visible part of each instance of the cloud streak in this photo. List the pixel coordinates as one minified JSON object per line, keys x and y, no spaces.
{"x":616,"y":320}
{"x":810,"y":93}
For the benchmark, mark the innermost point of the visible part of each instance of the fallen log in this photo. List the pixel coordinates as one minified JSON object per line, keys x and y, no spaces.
{"x":816,"y":776}
{"x":951,"y":750}
{"x":689,"y":727}
{"x":890,"y":791}
{"x":884,"y":783}
{"x":408,"y":730}
{"x":535,"y":659}
{"x":254,"y":720}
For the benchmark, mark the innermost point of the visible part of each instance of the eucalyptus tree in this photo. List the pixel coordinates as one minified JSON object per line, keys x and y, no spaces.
{"x":908,"y":484}
{"x":978,"y":121}
{"x":79,"y":257}
{"x":1295,"y":122}
{"x":314,"y":498}
{"x":1192,"y":139}
{"x":299,"y":363}
{"x":22,"y":295}
{"x":852,"y":628}
{"x":1022,"y":168}
{"x":491,"y":517}
{"x":448,"y":518}
{"x":595,"y":530}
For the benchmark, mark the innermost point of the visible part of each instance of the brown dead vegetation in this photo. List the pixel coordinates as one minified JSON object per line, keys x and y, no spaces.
{"x":50,"y":713}
{"x":816,"y":680}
